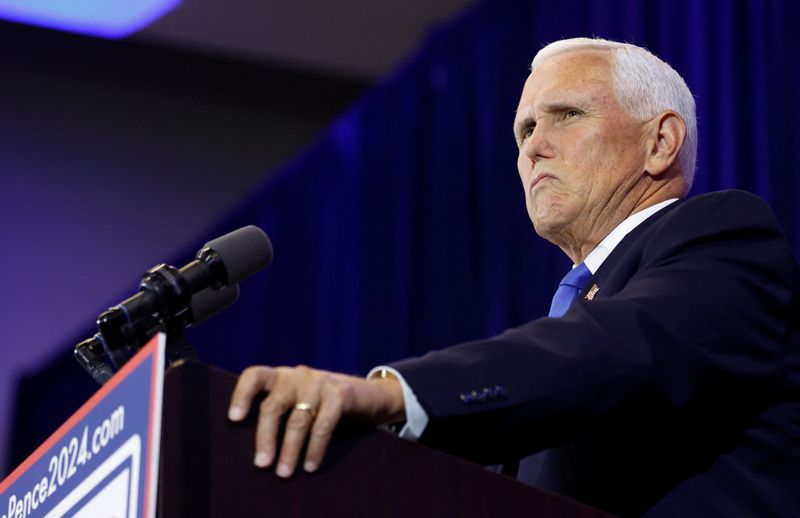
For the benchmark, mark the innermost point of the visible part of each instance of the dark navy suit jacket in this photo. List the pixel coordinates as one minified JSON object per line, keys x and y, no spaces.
{"x":674,"y":391}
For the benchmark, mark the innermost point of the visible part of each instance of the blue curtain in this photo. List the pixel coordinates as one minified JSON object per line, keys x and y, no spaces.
{"x":403,"y":228}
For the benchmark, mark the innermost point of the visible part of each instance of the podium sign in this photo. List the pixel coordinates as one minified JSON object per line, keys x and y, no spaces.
{"x":103,"y":461}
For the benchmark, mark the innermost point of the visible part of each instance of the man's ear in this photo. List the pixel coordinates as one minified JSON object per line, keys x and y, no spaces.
{"x":667,"y":134}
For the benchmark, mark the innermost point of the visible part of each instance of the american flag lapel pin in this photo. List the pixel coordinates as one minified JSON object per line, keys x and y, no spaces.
{"x":592,"y":292}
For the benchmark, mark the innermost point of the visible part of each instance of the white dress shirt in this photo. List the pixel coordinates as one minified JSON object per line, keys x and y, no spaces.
{"x":417,"y":418}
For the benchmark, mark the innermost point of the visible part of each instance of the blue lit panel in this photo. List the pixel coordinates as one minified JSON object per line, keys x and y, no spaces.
{"x":104,"y":18}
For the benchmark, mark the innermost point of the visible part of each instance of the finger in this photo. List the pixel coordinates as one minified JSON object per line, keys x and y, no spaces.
{"x":330,"y":412}
{"x":294,"y":437}
{"x":251,"y":382}
{"x":269,"y":420}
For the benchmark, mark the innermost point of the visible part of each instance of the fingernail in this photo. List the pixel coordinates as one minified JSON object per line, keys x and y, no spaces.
{"x":235,"y":413}
{"x":261,"y":460}
{"x":310,"y":466}
{"x":283,"y":470}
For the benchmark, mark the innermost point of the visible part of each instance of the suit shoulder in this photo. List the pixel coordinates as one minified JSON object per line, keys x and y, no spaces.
{"x":724,"y":209}
{"x":729,"y":218}
{"x":734,"y":199}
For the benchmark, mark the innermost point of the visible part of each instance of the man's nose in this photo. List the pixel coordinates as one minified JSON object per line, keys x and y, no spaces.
{"x":538,"y":146}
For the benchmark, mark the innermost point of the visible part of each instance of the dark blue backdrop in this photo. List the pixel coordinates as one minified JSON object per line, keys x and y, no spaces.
{"x":403,"y":228}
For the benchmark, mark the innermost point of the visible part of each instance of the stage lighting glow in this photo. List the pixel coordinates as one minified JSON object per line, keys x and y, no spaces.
{"x":104,"y":18}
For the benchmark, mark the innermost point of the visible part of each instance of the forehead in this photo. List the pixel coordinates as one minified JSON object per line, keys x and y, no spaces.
{"x":573,"y":75}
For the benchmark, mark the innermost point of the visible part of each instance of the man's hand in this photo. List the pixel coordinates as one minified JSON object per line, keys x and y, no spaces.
{"x":315,"y":401}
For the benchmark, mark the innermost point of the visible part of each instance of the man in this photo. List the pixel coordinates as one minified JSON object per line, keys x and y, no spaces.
{"x":669,"y":385}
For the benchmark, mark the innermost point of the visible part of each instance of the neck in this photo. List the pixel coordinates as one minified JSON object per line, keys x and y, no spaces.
{"x":607,"y":217}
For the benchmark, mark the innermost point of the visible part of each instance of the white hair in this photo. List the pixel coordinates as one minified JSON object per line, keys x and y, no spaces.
{"x":644,"y":85}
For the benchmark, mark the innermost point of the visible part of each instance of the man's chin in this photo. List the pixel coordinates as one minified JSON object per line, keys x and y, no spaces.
{"x":546,"y":228}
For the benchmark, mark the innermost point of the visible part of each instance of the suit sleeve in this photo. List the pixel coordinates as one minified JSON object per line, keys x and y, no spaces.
{"x":693,"y":331}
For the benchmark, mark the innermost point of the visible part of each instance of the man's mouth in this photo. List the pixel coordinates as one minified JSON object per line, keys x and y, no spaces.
{"x":542,"y":177}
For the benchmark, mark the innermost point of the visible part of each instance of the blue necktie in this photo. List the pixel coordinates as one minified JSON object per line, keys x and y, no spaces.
{"x":569,"y":288}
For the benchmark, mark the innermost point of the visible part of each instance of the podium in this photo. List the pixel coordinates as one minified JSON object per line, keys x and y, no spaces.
{"x":207,"y":469}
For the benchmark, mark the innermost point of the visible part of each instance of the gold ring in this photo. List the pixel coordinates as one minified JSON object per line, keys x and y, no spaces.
{"x":306,"y":407}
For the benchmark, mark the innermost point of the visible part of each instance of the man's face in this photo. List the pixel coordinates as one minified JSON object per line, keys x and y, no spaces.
{"x":580,"y":154}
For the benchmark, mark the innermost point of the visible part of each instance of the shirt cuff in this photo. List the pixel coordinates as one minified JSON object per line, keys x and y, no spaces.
{"x":416,"y":417}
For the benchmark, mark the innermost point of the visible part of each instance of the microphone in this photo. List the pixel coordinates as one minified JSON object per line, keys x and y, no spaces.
{"x":165,"y":291}
{"x":237,"y":255}
{"x":90,"y":353}
{"x":207,"y":303}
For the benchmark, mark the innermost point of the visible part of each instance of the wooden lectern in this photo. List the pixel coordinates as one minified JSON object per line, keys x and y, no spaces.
{"x":207,"y":469}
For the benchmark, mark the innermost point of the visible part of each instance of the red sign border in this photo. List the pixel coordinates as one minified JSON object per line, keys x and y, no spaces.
{"x":149,"y":350}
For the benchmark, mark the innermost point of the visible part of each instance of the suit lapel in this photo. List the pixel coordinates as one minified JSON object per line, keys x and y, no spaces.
{"x":615,"y":259}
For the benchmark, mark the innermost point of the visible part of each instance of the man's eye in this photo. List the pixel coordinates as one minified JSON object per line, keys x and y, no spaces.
{"x":571,"y":113}
{"x":527,"y":132}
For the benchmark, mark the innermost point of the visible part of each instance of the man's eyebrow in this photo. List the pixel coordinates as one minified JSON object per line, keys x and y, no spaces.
{"x":561,"y":106}
{"x":526,"y":119}
{"x":522,"y":123}
{"x":523,"y":119}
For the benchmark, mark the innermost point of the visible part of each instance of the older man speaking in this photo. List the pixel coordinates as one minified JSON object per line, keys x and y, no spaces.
{"x":666,"y":378}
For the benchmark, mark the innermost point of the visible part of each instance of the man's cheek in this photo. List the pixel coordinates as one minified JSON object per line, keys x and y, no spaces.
{"x":524,"y":170}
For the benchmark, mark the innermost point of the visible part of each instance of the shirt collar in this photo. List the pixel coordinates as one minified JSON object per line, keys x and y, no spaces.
{"x":607,"y":245}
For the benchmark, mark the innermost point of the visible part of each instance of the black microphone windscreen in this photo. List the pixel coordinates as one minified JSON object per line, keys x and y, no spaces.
{"x":208,"y":302}
{"x":243,"y":252}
